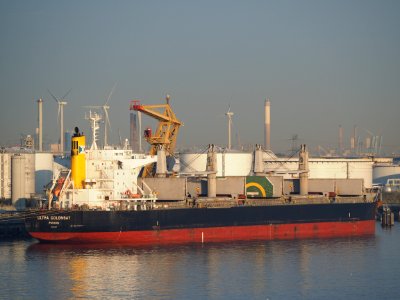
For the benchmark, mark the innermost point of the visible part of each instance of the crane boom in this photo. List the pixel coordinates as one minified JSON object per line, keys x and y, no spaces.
{"x":167,"y":129}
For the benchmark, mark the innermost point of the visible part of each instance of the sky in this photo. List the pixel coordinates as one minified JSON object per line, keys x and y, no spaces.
{"x":322,"y":64}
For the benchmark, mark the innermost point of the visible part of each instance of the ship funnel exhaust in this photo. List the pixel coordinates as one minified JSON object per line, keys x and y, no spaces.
{"x":78,"y":159}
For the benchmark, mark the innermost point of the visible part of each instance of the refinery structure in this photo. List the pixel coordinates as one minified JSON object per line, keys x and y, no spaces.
{"x":31,"y":173}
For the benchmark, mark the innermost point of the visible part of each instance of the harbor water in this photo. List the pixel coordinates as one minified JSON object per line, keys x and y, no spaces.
{"x":341,"y":268}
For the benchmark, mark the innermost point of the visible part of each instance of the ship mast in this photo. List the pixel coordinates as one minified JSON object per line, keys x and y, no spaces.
{"x":94,"y":119}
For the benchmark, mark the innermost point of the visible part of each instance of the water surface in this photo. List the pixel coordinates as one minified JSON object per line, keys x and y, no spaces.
{"x":344,"y":268}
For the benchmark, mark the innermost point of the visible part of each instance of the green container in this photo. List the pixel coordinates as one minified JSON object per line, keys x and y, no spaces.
{"x":259,"y":187}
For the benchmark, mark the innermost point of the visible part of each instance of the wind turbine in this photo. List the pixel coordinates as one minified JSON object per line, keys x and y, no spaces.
{"x":105,"y":108}
{"x":61,"y":103}
{"x":229,"y":114}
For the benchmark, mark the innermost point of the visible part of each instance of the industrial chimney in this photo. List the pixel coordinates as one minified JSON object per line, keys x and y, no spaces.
{"x":267,"y":124}
{"x":133,"y":132}
{"x":340,"y":148}
{"x":355,"y":141}
{"x":40,"y":125}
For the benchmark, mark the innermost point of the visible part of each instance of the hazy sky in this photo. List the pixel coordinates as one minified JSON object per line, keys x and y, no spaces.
{"x":322,"y":63}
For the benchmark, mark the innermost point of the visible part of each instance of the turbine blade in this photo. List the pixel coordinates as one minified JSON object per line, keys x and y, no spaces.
{"x":66,"y":94}
{"x":109,"y":95}
{"x":107,"y":119}
{"x":54,"y":97}
{"x":59,"y":113}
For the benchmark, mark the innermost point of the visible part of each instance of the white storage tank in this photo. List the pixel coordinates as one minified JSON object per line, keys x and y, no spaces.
{"x":383,"y":172}
{"x":43,"y":170}
{"x":241,"y":164}
{"x":228,"y":163}
{"x":22,"y":178}
{"x":361,"y":168}
{"x":5,"y":175}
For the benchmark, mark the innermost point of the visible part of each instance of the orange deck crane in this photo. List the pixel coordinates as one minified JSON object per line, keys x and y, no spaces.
{"x":167,"y":130}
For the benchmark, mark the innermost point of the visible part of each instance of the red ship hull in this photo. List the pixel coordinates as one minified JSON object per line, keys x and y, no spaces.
{"x":215,"y":234}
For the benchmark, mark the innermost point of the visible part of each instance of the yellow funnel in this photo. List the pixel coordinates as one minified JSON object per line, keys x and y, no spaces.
{"x":78,"y":160}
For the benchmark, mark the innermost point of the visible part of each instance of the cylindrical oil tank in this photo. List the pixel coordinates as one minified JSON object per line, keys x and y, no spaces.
{"x":5,"y":172}
{"x":228,"y":163}
{"x":323,"y":168}
{"x":361,"y":169}
{"x":43,"y":170}
{"x":17,"y":178}
{"x":22,"y":178}
{"x":381,"y":173}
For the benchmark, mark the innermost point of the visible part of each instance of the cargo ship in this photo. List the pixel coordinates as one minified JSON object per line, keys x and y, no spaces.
{"x":118,"y":196}
{"x":209,"y":224}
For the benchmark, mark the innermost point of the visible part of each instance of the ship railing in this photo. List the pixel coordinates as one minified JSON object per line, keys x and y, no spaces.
{"x":151,"y":193}
{"x":54,"y":181}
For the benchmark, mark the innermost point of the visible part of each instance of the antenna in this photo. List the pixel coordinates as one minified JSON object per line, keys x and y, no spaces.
{"x":61,"y":103}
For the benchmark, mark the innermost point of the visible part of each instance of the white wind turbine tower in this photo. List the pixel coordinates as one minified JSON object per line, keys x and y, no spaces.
{"x":229,"y":114}
{"x":106,"y":107}
{"x":61,"y":103}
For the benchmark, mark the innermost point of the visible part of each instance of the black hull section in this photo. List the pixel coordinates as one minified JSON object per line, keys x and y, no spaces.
{"x":186,"y":218}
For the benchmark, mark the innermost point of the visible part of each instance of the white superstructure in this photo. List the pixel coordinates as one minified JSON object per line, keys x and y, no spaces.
{"x":111,"y":178}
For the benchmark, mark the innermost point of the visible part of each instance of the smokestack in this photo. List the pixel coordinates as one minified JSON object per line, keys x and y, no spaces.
{"x":267,"y":124}
{"x":355,"y":137}
{"x":352,"y":143}
{"x":133,"y":132}
{"x":40,"y":125}
{"x":340,"y":140}
{"x":139,"y":115}
{"x":367,"y":144}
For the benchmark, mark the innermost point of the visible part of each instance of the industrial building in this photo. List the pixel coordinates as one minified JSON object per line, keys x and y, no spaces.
{"x":24,"y":175}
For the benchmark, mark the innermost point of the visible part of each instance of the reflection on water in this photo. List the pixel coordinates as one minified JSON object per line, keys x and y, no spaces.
{"x":271,"y":269}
